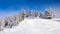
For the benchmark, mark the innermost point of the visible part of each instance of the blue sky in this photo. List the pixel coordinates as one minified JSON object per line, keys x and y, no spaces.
{"x":10,"y":7}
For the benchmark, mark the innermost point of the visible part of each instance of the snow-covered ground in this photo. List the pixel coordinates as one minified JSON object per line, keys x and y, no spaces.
{"x":35,"y":26}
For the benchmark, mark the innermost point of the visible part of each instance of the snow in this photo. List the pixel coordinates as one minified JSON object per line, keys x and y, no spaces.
{"x":34,"y":26}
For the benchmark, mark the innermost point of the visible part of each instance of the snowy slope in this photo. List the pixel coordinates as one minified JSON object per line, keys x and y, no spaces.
{"x":34,"y":26}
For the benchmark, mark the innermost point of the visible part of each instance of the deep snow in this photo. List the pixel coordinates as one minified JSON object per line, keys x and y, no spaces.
{"x":35,"y":26}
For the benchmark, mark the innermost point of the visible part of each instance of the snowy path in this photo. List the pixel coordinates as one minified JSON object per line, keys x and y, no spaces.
{"x":34,"y":26}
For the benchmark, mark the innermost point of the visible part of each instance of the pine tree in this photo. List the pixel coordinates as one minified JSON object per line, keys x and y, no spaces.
{"x":16,"y":19}
{"x":2,"y":24}
{"x":29,"y":13}
{"x":49,"y":14}
{"x":8,"y":22}
{"x":34,"y":13}
{"x":22,"y":15}
{"x":41,"y":15}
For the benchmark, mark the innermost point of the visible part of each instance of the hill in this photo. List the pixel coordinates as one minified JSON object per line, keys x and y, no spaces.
{"x":34,"y":26}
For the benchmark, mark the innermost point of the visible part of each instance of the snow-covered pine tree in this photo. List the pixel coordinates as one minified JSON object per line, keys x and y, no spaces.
{"x":49,"y":14}
{"x":8,"y":22}
{"x":29,"y":13}
{"x":2,"y":26}
{"x":34,"y":13}
{"x":22,"y":15}
{"x":16,"y":18}
{"x":41,"y":15}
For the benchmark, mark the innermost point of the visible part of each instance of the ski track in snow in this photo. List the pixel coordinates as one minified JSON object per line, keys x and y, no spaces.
{"x":34,"y":26}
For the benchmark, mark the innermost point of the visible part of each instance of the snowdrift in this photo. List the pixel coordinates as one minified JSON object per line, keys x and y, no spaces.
{"x":34,"y":26}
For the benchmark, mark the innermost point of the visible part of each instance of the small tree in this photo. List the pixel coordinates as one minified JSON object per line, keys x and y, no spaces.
{"x":29,"y":13}
{"x":22,"y":15}
{"x":16,"y":17}
{"x":41,"y":15}
{"x":8,"y":22}
{"x":52,"y":13}
{"x":49,"y":14}
{"x":34,"y":13}
{"x":2,"y":26}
